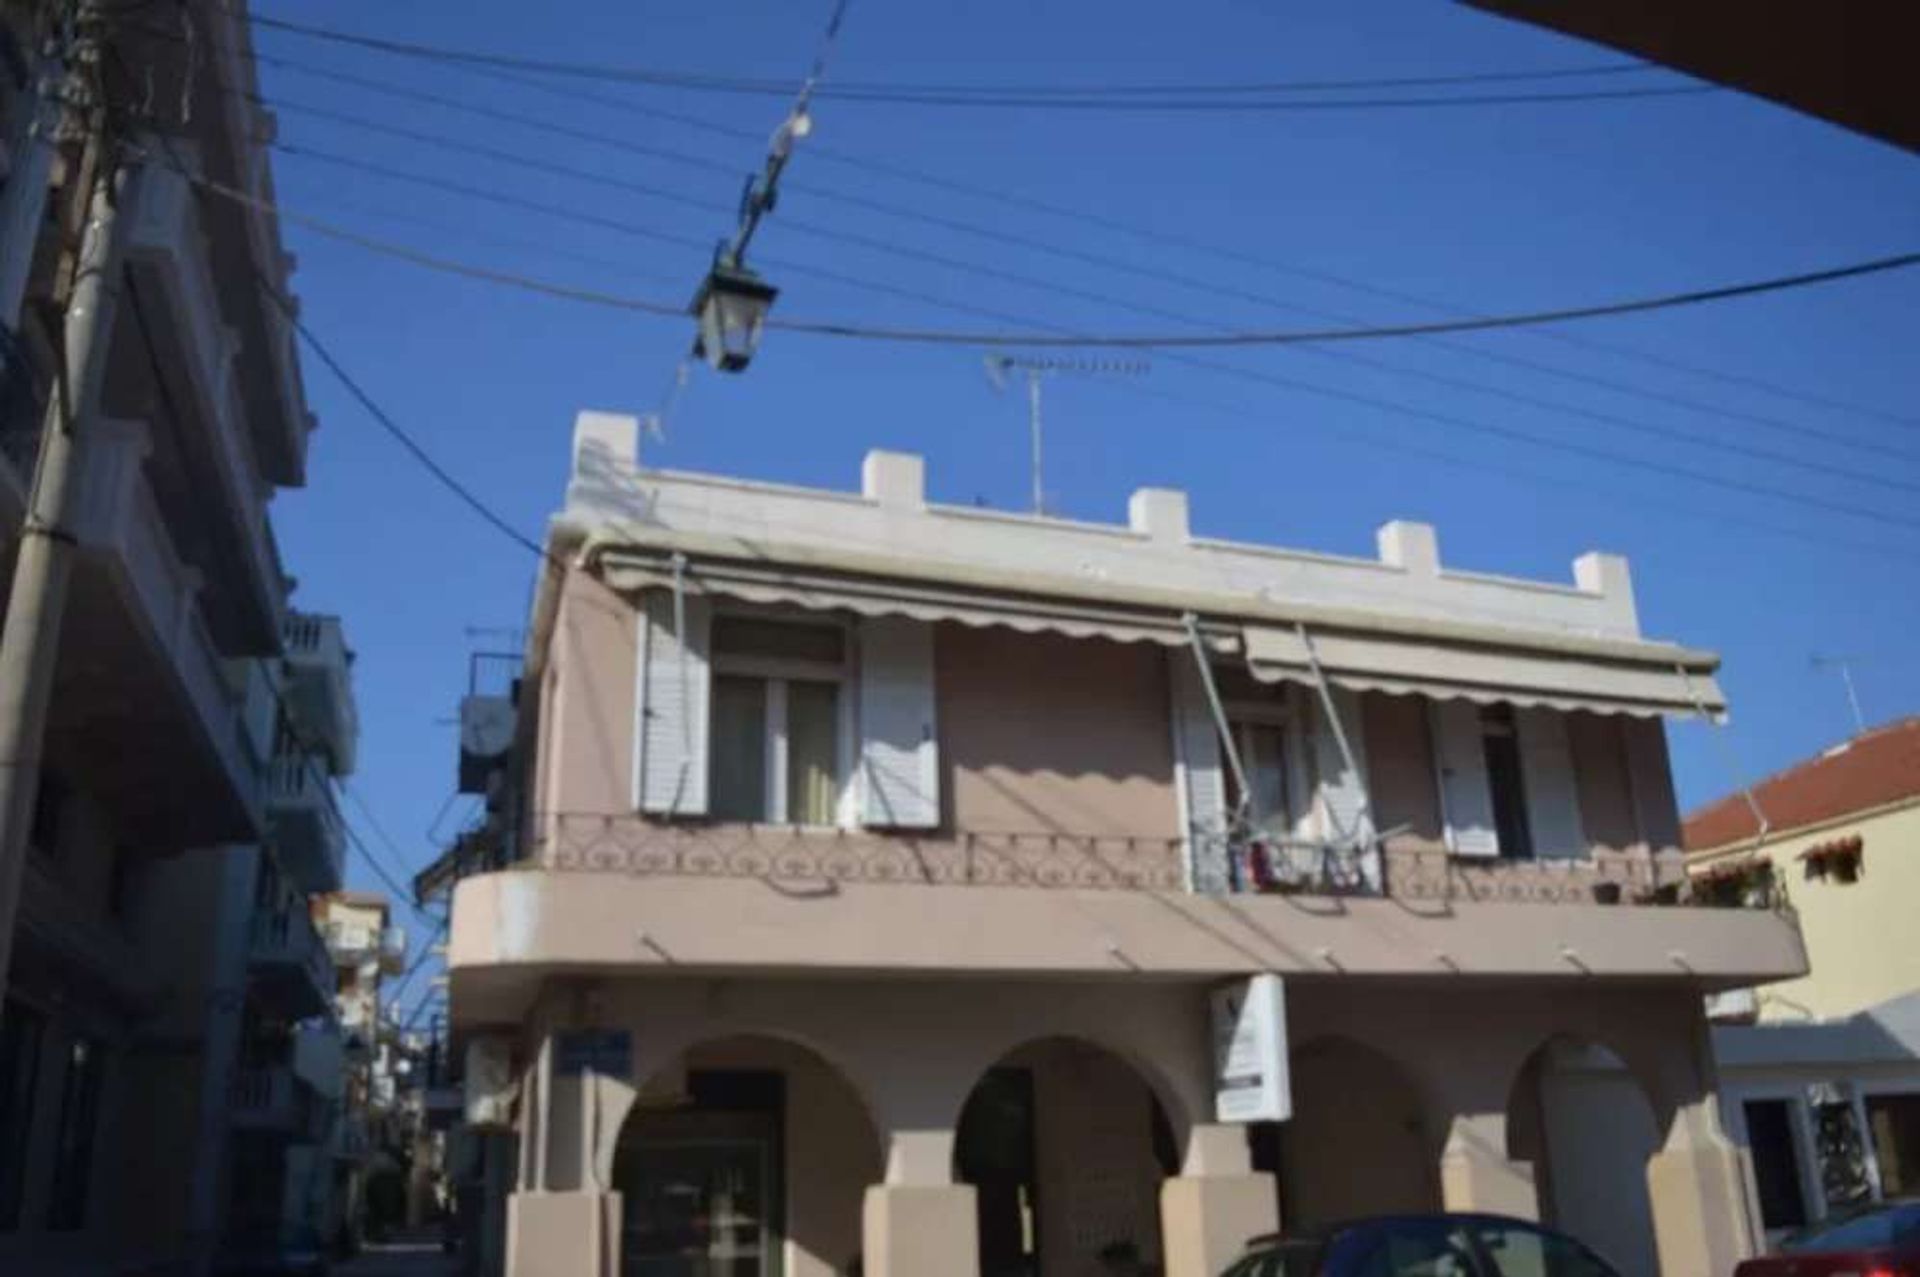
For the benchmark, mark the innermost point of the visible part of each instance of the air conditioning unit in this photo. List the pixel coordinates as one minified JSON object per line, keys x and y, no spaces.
{"x":490,"y":1082}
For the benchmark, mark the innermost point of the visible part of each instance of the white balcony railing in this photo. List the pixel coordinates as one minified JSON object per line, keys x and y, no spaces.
{"x":272,"y":1098}
{"x":167,"y":234}
{"x":321,"y":691}
{"x":285,"y":937}
{"x":120,"y":519}
{"x":306,"y":825}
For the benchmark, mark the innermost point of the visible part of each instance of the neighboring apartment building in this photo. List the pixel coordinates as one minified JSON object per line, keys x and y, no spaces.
{"x":367,"y":947}
{"x":878,"y":863}
{"x":1822,"y":1074}
{"x":164,"y":1039}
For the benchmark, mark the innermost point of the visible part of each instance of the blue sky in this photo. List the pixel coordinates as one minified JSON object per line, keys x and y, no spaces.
{"x":1488,"y":208}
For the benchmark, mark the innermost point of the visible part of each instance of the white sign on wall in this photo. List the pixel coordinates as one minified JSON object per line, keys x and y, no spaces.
{"x":1250,"y":1082}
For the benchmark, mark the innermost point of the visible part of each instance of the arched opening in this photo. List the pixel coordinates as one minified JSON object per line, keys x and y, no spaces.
{"x":1359,"y":1142}
{"x":747,"y":1157}
{"x":1066,"y":1145}
{"x":1579,"y":1114}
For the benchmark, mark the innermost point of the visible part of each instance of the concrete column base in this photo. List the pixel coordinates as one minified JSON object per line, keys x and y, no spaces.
{"x":557,"y":1234}
{"x":1205,"y":1221}
{"x":920,"y":1230}
{"x":1701,"y":1221}
{"x":1493,"y":1185}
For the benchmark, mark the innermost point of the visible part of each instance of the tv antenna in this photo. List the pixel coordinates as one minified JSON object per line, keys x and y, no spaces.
{"x":1000,"y":366}
{"x":1845,"y":665}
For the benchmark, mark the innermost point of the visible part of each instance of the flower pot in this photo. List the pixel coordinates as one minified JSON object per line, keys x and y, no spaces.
{"x":1606,"y":893}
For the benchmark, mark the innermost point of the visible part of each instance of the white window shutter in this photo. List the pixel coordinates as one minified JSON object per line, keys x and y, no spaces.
{"x":1460,"y":755}
{"x":670,"y":740}
{"x":899,"y":742}
{"x":1343,"y":788}
{"x":1202,"y":784}
{"x":1546,"y":768}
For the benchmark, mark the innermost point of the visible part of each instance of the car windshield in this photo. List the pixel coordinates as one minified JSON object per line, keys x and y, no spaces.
{"x":1295,"y":1258}
{"x":1869,"y":1229}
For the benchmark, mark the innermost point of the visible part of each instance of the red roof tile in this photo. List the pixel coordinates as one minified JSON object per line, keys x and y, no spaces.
{"x":1873,"y":769}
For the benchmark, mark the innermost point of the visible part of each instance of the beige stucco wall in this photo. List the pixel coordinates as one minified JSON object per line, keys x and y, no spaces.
{"x":1600,"y":1133}
{"x":1852,"y":930}
{"x":1041,"y":733}
{"x":1360,"y":1141}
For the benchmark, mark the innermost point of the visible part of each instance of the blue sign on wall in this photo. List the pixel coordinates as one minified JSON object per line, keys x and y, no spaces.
{"x":607,"y":1052}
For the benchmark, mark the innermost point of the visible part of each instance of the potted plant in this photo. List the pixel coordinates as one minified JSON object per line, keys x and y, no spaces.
{"x":1606,"y":893}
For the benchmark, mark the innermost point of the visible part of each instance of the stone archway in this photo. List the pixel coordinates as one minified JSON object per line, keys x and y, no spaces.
{"x":747,"y":1156}
{"x":1583,"y":1118}
{"x":1360,"y":1141}
{"x":1066,"y":1144}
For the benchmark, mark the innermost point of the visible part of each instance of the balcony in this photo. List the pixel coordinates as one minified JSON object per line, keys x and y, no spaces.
{"x":320,"y":686}
{"x":274,"y":1100}
{"x":622,"y":894}
{"x":305,"y":823}
{"x":206,"y":470}
{"x":144,"y":699}
{"x":354,"y":943}
{"x":287,"y":955}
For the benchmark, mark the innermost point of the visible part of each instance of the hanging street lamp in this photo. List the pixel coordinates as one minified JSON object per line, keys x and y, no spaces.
{"x":732,"y":307}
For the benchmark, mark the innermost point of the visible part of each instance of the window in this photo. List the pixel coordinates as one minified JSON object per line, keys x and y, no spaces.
{"x":1500,"y":741}
{"x":1419,"y":1248}
{"x":49,"y":812}
{"x":776,"y":735}
{"x":73,"y":1141}
{"x":1520,"y":1251}
{"x":1776,"y":1163}
{"x":1895,"y":1123}
{"x":1263,"y":754}
{"x":21,"y":1033}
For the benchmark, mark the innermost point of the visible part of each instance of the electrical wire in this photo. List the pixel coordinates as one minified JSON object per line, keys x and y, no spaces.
{"x":1127,"y":265}
{"x":1511,"y":434}
{"x":1119,"y":98}
{"x":975,"y":269}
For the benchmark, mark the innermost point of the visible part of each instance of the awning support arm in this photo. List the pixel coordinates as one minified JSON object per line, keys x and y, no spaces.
{"x":1734,"y":771}
{"x":1339,"y":731}
{"x":1228,"y":746}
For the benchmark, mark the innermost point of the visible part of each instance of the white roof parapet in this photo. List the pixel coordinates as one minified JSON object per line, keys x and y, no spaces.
{"x":610,"y":497}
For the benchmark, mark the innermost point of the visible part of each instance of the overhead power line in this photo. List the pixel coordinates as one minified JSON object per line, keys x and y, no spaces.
{"x":1512,"y":434}
{"x":1121,"y":97}
{"x":1877,"y":478}
{"x":1131,"y":265}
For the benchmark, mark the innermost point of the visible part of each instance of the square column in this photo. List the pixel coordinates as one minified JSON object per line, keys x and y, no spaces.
{"x":1703,"y":1219}
{"x":1217,"y":1204}
{"x":563,"y":1234}
{"x":920,"y":1230}
{"x":1477,"y":1175}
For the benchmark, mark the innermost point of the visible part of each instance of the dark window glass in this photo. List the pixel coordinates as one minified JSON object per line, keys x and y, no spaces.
{"x":73,"y":1144}
{"x":49,"y":808}
{"x":1502,"y":745}
{"x":21,"y":1033}
{"x":1418,"y":1248}
{"x":737,"y":740}
{"x":1868,"y":1229}
{"x":1518,"y":1250}
{"x":1776,"y":1165}
{"x":1895,"y":1124}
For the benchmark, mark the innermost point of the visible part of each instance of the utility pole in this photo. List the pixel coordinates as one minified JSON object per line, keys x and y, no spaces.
{"x":998,"y":366}
{"x":43,"y":565}
{"x":1845,"y":665}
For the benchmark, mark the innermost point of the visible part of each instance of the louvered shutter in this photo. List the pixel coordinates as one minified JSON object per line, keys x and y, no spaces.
{"x":1460,"y":754}
{"x":1343,"y":788}
{"x":899,"y":744}
{"x":1202,"y":783}
{"x":1546,"y":767}
{"x":670,"y":755}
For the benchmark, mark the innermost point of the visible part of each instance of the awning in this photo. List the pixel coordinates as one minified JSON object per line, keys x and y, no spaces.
{"x":967,"y":604}
{"x":1364,"y":651}
{"x":1483,"y":673}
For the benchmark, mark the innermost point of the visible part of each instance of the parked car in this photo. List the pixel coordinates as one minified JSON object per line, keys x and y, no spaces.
{"x":1880,"y":1240}
{"x":1422,"y":1246}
